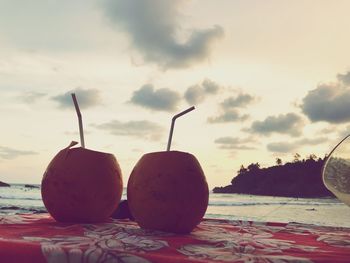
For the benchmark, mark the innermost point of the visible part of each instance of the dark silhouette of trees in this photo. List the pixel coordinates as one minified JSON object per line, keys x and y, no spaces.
{"x":296,"y":157}
{"x":278,"y":161}
{"x":300,"y":178}
{"x":312,"y":157}
{"x":253,"y":167}
{"x":242,"y":170}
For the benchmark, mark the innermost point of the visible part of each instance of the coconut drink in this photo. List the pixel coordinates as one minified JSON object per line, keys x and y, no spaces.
{"x":81,"y":185}
{"x":168,"y":190}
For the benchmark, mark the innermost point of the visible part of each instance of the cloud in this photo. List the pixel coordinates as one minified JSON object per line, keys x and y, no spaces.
{"x":30,"y":97}
{"x":287,"y":147}
{"x":194,"y":94}
{"x":328,"y":102}
{"x":242,"y":100}
{"x":87,"y":98}
{"x":141,"y":129}
{"x":344,"y":78}
{"x":229,"y":109}
{"x":161,"y":99}
{"x":281,"y":147}
{"x":197,"y":93}
{"x":210,"y":87}
{"x":312,"y":141}
{"x":43,"y":25}
{"x":234,"y":143}
{"x":154,"y":29}
{"x":10,"y":153}
{"x":228,"y":116}
{"x":342,"y":133}
{"x":289,"y":123}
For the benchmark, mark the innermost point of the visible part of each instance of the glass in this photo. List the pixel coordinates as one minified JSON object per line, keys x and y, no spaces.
{"x":336,"y":171}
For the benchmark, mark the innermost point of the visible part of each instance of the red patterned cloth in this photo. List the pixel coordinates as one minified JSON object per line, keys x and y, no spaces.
{"x":38,"y":238}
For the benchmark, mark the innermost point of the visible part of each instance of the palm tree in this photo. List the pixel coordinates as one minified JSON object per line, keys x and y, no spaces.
{"x":296,"y":157}
{"x":312,"y":157}
{"x":242,"y":170}
{"x":278,"y":161}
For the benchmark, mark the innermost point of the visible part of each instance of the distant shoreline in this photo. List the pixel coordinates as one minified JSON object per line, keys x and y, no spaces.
{"x":263,"y":195}
{"x":3,"y":184}
{"x":297,"y":179}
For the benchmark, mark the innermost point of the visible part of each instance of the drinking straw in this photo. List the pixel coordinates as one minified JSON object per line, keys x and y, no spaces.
{"x":173,"y":124}
{"x":81,"y":131}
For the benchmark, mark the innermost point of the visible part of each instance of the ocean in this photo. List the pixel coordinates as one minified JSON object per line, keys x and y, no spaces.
{"x":319,"y":211}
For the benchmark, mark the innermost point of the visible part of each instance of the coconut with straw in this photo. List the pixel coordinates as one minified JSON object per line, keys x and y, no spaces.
{"x":167,"y":190}
{"x":81,"y":185}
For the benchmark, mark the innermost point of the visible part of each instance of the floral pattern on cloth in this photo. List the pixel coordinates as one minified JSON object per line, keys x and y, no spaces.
{"x":38,"y":238}
{"x":249,"y":242}
{"x":101,"y":243}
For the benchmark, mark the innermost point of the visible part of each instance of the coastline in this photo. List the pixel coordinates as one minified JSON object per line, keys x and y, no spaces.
{"x":319,"y":211}
{"x":298,"y":179}
{"x":228,"y":189}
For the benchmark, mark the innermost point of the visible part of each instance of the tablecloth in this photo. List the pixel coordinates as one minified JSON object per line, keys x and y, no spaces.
{"x":39,"y":238}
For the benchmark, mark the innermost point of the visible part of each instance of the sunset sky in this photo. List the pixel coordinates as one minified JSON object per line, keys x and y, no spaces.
{"x":268,"y":79}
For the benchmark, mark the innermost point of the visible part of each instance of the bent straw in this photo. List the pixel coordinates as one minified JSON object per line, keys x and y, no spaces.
{"x":81,"y":131}
{"x":173,"y":124}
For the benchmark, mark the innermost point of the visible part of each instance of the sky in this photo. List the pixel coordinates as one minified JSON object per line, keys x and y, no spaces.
{"x":268,"y":79}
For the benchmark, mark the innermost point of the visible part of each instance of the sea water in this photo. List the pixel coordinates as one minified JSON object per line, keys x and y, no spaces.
{"x":320,"y":211}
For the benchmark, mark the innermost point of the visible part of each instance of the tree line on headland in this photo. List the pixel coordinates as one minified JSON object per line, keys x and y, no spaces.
{"x":299,"y":178}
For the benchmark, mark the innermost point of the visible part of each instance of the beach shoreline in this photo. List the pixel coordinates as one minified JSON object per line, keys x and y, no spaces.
{"x":326,"y":211}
